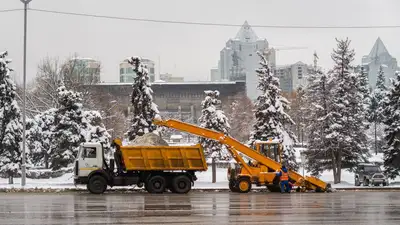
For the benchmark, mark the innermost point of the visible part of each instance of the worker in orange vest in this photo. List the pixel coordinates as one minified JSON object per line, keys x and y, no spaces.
{"x":284,"y":177}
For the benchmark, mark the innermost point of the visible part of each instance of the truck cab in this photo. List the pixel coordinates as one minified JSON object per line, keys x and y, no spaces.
{"x":90,"y":158}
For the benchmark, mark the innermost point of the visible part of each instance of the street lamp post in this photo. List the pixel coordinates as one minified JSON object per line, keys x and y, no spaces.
{"x":26,"y":2}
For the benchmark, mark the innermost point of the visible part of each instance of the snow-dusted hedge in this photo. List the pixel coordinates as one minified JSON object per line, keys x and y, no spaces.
{"x":43,"y":173}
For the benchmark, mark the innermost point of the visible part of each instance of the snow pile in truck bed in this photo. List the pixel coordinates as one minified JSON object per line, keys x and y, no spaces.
{"x":149,"y":139}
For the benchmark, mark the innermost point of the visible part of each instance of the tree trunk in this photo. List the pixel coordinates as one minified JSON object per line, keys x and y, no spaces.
{"x":10,"y":178}
{"x":339,"y":172}
{"x":214,"y":170}
{"x":334,"y":168}
{"x":46,"y":161}
{"x":339,"y":166}
{"x":376,"y":148}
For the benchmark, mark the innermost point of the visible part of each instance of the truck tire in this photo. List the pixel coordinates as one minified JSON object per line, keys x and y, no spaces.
{"x":97,"y":184}
{"x":156,"y":184}
{"x":243,"y":184}
{"x":181,"y":184}
{"x":232,"y":186}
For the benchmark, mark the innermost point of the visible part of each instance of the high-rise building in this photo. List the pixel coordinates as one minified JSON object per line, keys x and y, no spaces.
{"x":85,"y":70}
{"x":126,"y":73}
{"x":292,"y":76}
{"x":215,"y":76}
{"x":378,"y":56}
{"x":239,"y":59}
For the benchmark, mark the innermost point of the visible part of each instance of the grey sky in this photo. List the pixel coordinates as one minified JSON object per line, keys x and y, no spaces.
{"x":188,"y":50}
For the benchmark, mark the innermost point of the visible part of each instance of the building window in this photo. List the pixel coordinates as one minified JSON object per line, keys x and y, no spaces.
{"x":152,"y":70}
{"x":129,"y":70}
{"x":121,"y":71}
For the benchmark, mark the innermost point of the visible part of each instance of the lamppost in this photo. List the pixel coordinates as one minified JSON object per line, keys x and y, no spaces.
{"x":26,"y":2}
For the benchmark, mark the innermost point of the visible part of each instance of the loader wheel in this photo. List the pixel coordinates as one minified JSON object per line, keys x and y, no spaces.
{"x":156,"y":184}
{"x":181,"y":184}
{"x":97,"y":184}
{"x":243,"y":184}
{"x":232,"y":186}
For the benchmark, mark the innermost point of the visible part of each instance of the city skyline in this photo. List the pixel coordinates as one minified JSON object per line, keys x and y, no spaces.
{"x":189,"y":51}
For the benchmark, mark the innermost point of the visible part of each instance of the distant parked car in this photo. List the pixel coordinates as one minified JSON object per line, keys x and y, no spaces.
{"x":378,"y":179}
{"x":369,"y":173}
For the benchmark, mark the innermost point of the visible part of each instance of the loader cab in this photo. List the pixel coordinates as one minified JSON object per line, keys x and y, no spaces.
{"x":271,"y":148}
{"x":90,"y":157}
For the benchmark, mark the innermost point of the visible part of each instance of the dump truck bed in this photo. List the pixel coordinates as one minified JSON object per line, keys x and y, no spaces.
{"x":164,"y":158}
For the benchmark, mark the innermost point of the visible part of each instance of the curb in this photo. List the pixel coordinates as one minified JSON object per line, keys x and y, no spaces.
{"x":131,"y":190}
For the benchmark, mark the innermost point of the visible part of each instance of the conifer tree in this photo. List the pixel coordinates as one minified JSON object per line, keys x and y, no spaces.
{"x":270,"y":113}
{"x":391,"y":118}
{"x":213,"y":118}
{"x":143,"y":108}
{"x":317,"y":118}
{"x":11,"y":122}
{"x":346,"y":133}
{"x":375,"y":111}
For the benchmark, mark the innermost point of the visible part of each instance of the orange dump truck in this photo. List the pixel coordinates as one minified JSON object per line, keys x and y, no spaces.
{"x":158,"y":168}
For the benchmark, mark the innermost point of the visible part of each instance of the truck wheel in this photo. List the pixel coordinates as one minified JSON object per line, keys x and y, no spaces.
{"x":156,"y":184}
{"x":232,"y":186}
{"x":244,"y":184}
{"x":97,"y":184}
{"x":181,"y":184}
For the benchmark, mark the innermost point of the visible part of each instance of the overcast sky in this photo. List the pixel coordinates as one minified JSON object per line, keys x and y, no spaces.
{"x":190,"y":50}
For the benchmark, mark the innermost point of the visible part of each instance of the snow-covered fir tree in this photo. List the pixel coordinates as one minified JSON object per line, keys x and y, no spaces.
{"x":375,"y":112}
{"x":40,"y":137}
{"x":94,"y":130}
{"x":270,"y":114}
{"x":364,"y":90}
{"x":213,"y":118}
{"x":346,"y":134}
{"x":144,"y":109}
{"x":391,"y":118}
{"x":11,"y":122}
{"x":67,"y":130}
{"x":317,"y":100}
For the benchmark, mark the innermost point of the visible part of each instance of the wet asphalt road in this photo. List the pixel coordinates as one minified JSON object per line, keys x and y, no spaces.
{"x":201,"y":208}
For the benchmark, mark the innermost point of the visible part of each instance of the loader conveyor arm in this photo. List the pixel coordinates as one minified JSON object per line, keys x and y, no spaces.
{"x":311,"y":182}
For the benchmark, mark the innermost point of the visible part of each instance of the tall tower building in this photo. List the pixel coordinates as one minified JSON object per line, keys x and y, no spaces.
{"x":378,"y":56}
{"x":239,"y":59}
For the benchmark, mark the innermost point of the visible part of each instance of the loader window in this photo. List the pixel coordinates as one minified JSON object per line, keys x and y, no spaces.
{"x":89,"y":152}
{"x":275,"y":152}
